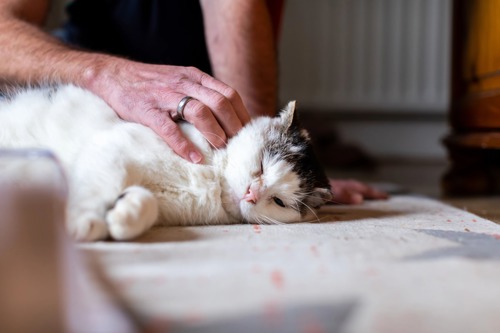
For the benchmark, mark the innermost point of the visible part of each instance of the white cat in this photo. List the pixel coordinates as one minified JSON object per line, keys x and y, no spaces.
{"x":123,"y":178}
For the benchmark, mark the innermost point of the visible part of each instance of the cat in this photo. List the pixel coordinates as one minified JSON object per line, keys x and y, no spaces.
{"x":123,"y":178}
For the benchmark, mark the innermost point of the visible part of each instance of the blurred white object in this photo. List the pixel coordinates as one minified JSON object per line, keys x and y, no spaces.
{"x":45,"y":283}
{"x":32,"y":199}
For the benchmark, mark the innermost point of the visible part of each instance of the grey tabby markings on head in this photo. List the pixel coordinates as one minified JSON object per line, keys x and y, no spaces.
{"x":294,"y":146}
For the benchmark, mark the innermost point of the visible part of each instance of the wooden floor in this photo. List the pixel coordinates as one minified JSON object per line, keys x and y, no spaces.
{"x":421,"y":178}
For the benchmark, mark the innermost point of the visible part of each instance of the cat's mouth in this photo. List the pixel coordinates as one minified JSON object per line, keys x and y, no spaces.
{"x":232,"y":203}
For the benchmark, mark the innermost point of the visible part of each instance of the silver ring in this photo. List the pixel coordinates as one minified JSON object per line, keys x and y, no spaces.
{"x":179,"y":115}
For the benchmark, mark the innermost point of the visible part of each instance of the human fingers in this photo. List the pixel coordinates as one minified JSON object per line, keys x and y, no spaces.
{"x":223,"y":100}
{"x":218,"y":105}
{"x":368,"y":192}
{"x":346,"y":197}
{"x":354,"y":192}
{"x":231,"y":94}
{"x":200,"y":115}
{"x":162,"y":123}
{"x":373,"y":193}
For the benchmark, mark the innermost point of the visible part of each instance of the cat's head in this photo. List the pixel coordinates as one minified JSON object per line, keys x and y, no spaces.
{"x":272,"y":172}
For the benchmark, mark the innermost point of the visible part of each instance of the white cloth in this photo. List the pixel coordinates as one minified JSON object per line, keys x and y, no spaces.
{"x":408,"y":264}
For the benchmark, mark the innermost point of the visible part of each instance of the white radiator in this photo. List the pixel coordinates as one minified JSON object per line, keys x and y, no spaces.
{"x":389,"y":55}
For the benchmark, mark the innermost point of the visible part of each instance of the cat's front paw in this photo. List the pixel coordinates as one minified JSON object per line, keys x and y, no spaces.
{"x":88,"y":228}
{"x":134,"y":212}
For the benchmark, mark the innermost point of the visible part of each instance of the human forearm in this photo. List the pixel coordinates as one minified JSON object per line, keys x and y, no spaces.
{"x":29,"y":55}
{"x":137,"y":92}
{"x":242,"y":50}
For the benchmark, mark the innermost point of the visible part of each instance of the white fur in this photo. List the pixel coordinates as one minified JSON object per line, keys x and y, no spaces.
{"x":106,"y":157}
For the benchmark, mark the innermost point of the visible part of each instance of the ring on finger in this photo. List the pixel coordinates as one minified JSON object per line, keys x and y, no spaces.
{"x":179,"y":115}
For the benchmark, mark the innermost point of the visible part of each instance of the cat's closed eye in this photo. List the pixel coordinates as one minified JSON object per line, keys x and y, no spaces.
{"x":259,"y":172}
{"x":279,"y":202}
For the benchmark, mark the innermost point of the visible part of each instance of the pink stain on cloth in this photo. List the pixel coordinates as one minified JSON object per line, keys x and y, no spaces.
{"x":277,"y":279}
{"x":314,"y":250}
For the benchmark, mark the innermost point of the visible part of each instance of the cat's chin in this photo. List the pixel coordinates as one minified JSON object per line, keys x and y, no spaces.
{"x":231,"y":205}
{"x":246,"y":212}
{"x":239,"y":209}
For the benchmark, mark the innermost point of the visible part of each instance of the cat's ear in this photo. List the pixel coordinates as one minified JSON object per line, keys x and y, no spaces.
{"x":319,"y":197}
{"x":288,"y":115}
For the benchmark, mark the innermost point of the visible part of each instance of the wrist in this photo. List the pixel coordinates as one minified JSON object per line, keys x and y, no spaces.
{"x":97,"y":73}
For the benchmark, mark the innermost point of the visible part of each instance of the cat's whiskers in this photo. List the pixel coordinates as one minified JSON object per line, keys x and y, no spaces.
{"x":270,"y":220}
{"x":336,"y":202}
{"x":318,"y":220}
{"x":309,"y":195}
{"x":259,"y":220}
{"x":326,"y":218}
{"x":210,"y":142}
{"x":308,"y":207}
{"x":330,"y":200}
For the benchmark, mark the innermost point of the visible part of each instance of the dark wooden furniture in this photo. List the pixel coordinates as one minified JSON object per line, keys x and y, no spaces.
{"x":474,"y":142}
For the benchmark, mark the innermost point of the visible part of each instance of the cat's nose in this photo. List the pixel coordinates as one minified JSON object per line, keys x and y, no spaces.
{"x":250,"y":196}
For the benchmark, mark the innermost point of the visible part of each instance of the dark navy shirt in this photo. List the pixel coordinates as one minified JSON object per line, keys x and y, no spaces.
{"x":151,"y":31}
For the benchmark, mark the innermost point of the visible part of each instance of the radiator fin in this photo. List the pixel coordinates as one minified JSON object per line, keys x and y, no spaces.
{"x":367,"y":54}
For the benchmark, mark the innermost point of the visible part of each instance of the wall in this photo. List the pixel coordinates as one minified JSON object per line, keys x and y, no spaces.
{"x":379,"y":69}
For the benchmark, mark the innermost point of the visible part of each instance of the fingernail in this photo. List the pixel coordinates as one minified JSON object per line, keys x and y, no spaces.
{"x":195,"y":157}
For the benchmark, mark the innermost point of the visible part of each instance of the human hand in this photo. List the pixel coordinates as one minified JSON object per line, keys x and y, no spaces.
{"x":149,"y":95}
{"x":352,"y":192}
